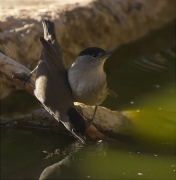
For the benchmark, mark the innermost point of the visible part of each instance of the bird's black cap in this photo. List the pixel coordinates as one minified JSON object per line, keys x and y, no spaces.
{"x":91,"y":51}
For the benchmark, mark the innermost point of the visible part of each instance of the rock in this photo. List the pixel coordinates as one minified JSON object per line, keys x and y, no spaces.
{"x":79,"y":24}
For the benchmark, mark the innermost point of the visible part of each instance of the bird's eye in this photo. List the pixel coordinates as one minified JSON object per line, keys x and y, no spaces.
{"x":95,"y":56}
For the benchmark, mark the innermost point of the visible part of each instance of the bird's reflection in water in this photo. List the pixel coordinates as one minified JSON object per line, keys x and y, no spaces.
{"x":60,"y":170}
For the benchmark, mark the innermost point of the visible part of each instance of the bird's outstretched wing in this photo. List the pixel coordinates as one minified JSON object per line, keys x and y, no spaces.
{"x":53,"y":90}
{"x":50,"y":36}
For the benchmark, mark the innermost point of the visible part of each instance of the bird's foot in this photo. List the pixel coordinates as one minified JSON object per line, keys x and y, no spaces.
{"x":27,"y":78}
{"x":89,"y":122}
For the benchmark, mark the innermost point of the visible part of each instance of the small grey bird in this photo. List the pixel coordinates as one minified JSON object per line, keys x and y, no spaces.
{"x":87,"y":78}
{"x":51,"y":86}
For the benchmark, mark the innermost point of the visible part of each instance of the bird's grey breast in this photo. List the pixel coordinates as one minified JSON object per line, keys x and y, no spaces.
{"x":88,"y":84}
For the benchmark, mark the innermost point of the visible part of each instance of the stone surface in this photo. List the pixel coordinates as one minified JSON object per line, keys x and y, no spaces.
{"x":79,"y":24}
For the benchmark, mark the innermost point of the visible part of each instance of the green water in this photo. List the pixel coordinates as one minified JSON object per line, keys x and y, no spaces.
{"x":147,"y":151}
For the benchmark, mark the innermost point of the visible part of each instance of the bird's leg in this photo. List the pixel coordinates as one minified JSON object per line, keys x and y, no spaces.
{"x":91,"y":120}
{"x":94,"y":112}
{"x":29,"y":75}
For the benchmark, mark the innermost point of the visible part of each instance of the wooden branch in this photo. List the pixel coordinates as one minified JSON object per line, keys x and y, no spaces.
{"x":105,"y":119}
{"x":11,"y":68}
{"x":41,"y":119}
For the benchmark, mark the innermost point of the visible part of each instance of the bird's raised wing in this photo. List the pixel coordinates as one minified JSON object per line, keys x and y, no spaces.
{"x":50,"y":36}
{"x":53,"y":90}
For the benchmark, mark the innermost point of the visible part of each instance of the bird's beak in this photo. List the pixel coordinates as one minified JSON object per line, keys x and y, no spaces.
{"x":106,"y":55}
